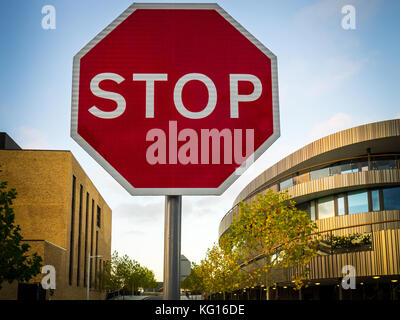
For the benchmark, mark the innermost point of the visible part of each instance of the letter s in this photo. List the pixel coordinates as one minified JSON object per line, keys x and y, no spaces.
{"x":121,"y":103}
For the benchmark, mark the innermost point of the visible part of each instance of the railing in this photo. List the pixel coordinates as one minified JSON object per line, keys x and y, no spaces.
{"x":330,"y":236}
{"x":369,"y":159}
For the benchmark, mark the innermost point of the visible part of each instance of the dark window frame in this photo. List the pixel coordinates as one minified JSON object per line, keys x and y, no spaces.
{"x":98,"y":220}
{"x":85,"y":275}
{"x":71,"y":239}
{"x":78,"y":273}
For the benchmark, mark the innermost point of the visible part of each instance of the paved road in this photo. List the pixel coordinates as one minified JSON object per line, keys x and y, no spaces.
{"x":182,"y":298}
{"x":130,"y":298}
{"x":153,"y":298}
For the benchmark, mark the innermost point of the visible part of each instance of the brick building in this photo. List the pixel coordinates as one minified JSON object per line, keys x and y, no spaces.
{"x":62,"y":216}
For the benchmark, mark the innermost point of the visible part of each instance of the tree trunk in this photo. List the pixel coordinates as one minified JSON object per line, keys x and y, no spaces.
{"x":267,"y":293}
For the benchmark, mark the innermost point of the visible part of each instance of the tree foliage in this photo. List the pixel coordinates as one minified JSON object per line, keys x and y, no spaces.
{"x":194,"y":281}
{"x":270,"y":232}
{"x":123,"y":273}
{"x":267,"y":234}
{"x":15,"y":263}
{"x":219,"y":271}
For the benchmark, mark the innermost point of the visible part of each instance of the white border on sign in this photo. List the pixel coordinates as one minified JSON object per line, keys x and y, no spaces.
{"x":173,"y":191}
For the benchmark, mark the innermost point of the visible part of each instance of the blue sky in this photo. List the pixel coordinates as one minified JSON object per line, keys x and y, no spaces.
{"x":329,"y":79}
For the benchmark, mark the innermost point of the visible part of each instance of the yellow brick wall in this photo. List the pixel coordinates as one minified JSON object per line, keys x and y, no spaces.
{"x":43,"y":180}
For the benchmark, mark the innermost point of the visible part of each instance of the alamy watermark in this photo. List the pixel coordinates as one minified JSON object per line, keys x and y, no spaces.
{"x":349,"y":18}
{"x":349,"y":280}
{"x":49,"y":20}
{"x":49,"y":278}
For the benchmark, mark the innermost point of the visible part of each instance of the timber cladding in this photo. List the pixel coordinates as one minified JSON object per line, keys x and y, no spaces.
{"x":349,"y":139}
{"x":383,"y":226}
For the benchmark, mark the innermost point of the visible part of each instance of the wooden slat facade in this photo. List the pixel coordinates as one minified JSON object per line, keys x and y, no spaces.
{"x":384,"y":258}
{"x":331,"y":143}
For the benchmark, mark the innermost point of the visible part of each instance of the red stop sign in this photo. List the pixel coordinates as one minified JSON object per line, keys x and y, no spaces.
{"x":174,"y":98}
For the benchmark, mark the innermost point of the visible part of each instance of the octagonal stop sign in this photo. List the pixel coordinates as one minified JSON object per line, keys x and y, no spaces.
{"x":175,"y":99}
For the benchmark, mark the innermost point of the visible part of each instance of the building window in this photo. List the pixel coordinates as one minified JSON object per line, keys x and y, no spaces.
{"x":358,"y":201}
{"x":312,"y":210}
{"x":341,"y":167}
{"x":85,"y":275}
{"x":98,"y":216}
{"x":302,"y":206}
{"x":91,"y":244}
{"x":71,"y":237}
{"x":349,"y":168}
{"x":96,"y":259}
{"x":391,"y":198}
{"x":340,"y":204}
{"x":320,"y":173}
{"x":286,"y":184}
{"x":78,"y":273}
{"x":383,"y":164}
{"x":302,"y":178}
{"x":363,"y":166}
{"x":326,"y":207}
{"x":376,"y":206}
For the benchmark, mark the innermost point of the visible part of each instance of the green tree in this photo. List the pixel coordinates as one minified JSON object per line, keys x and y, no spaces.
{"x":110,"y":278}
{"x":123,"y":273}
{"x":270,"y":233}
{"x":15,"y":264}
{"x":219,"y":271}
{"x":194,"y":282}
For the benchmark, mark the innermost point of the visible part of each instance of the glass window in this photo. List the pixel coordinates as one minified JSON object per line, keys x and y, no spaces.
{"x":349,"y":167}
{"x":375,"y":200}
{"x":302,"y":206}
{"x":326,"y":207}
{"x":98,"y":216}
{"x":383,"y":164}
{"x":286,"y":184}
{"x":302,"y":178}
{"x":335,"y":170}
{"x":363,"y":166}
{"x":358,"y":201}
{"x":341,"y":208}
{"x":391,"y":198}
{"x":312,"y":210}
{"x":321,"y":173}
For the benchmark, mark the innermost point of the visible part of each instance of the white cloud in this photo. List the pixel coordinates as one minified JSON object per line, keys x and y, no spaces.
{"x":398,"y":116}
{"x":324,"y":12}
{"x":338,"y":122}
{"x":31,"y":138}
{"x":333,"y":75}
{"x":137,"y":212}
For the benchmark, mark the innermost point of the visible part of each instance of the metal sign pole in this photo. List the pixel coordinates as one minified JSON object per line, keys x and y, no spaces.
{"x":172,"y":247}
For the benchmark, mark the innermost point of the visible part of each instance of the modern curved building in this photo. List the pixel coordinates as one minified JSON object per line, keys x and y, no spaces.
{"x":349,"y":183}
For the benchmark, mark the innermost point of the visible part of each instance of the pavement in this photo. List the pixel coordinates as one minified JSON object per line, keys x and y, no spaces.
{"x":153,"y":298}
{"x":130,"y":298}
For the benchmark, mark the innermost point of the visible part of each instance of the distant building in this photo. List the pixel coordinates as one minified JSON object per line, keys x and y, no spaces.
{"x":349,"y":183}
{"x":62,"y":217}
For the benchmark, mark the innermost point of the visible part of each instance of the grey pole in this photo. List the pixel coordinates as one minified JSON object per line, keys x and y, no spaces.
{"x":172,"y":247}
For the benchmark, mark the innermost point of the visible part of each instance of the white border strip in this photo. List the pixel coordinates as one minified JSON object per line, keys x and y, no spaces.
{"x":172,"y":191}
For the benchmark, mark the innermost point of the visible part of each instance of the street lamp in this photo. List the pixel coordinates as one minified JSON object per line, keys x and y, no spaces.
{"x":88,"y":276}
